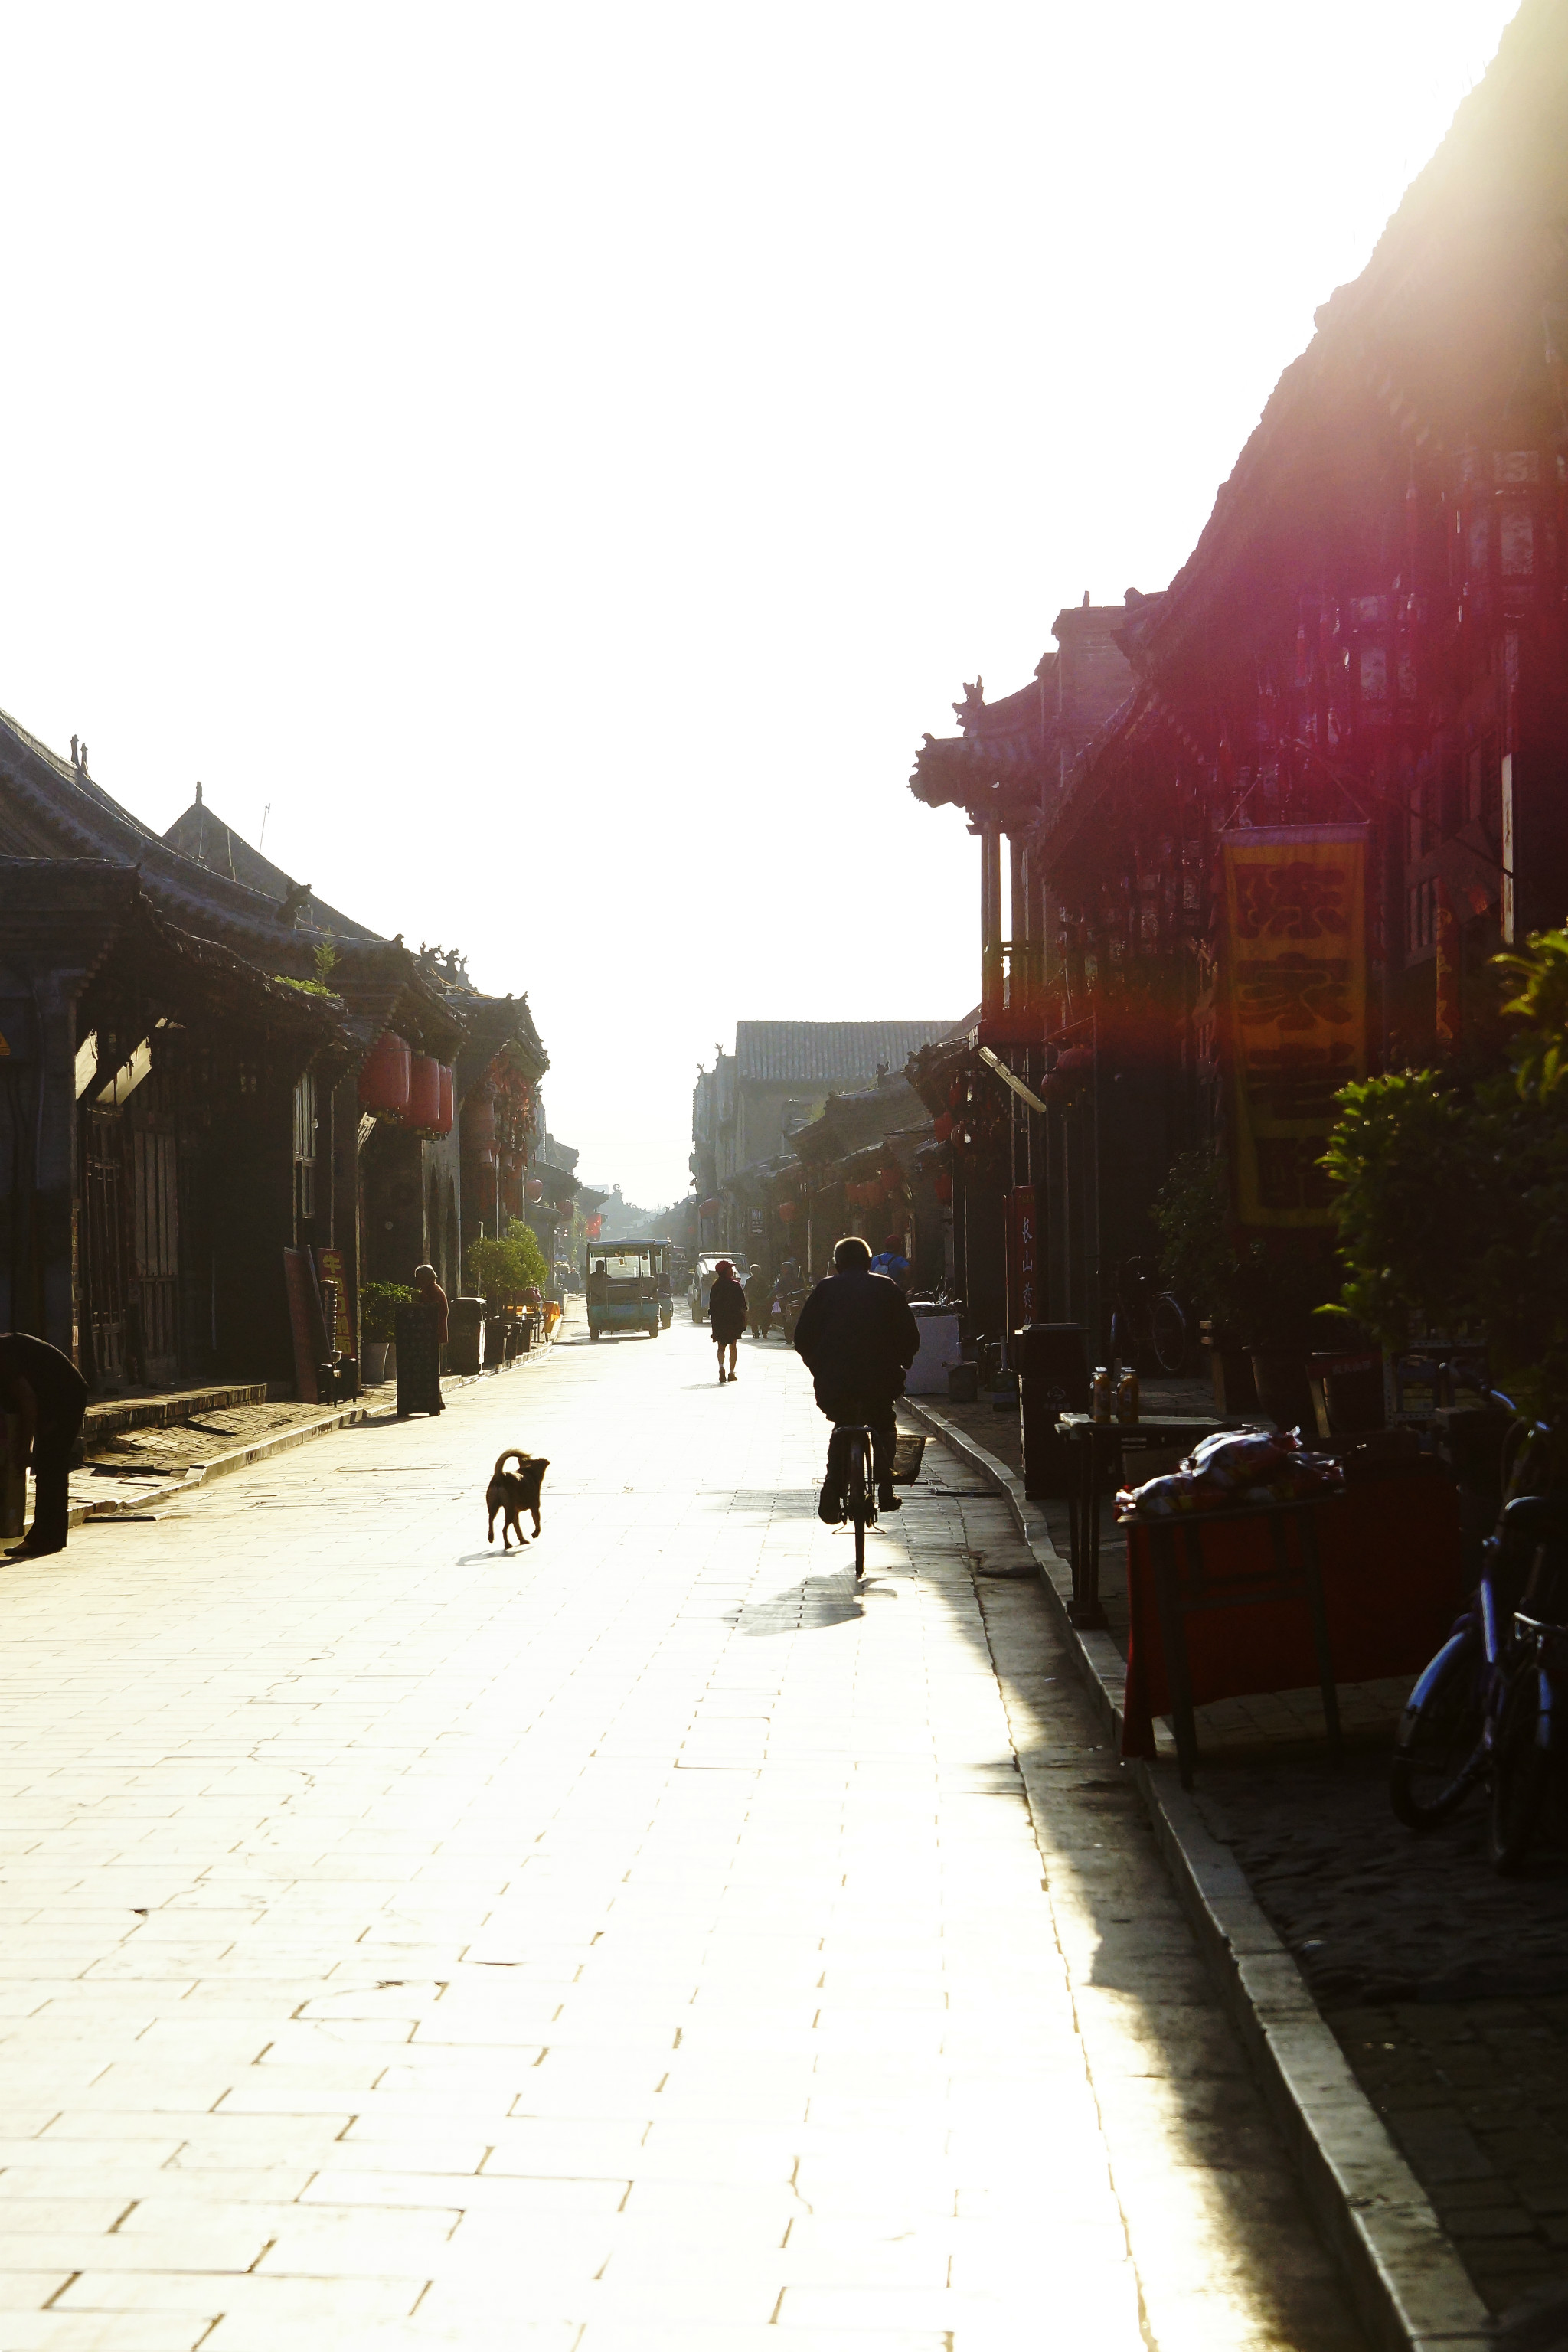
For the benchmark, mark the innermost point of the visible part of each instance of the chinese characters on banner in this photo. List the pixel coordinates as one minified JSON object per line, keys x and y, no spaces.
{"x":1021,"y":1253}
{"x":1296,"y":989}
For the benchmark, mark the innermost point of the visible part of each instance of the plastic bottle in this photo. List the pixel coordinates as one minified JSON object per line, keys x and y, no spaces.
{"x":1127,"y":1396}
{"x":1100,"y":1395}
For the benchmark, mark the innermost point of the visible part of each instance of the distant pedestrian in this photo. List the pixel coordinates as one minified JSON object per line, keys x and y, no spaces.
{"x":47,"y":1394}
{"x":432,"y":1294}
{"x":726,"y":1314}
{"x":890,"y":1260}
{"x":759,"y":1302}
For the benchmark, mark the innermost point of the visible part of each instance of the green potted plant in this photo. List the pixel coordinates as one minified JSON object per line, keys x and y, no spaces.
{"x":378,"y":1306}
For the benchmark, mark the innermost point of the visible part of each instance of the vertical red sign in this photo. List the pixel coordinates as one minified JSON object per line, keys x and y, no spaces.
{"x":1022,"y":1254}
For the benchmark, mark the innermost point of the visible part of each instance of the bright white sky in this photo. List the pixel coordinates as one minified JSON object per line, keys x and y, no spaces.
{"x":563,"y":458}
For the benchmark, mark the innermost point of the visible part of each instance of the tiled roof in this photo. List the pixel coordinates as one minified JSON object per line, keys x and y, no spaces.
{"x":829,"y":1053}
{"x":202,"y":835}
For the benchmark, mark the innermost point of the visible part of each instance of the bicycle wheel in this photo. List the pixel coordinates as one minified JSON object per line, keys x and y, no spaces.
{"x":1437,"y":1754}
{"x":857,"y":1498}
{"x":1168,"y":1334}
{"x":1520,"y":1758}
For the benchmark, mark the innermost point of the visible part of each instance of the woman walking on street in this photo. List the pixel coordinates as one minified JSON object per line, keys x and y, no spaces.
{"x":726,"y":1314}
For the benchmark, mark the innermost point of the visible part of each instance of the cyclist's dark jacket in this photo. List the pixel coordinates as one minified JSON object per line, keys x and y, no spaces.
{"x":858,"y":1335}
{"x":726,"y":1310}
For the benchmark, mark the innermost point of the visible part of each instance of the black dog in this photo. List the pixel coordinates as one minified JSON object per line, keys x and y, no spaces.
{"x":511,"y":1492}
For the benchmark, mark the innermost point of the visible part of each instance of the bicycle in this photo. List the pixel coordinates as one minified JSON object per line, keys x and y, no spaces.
{"x":1146,"y":1322}
{"x":1483,"y":1709}
{"x":857,"y":1488}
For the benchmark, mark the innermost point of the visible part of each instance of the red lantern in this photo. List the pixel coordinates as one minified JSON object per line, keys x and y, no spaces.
{"x":942,"y":1128}
{"x":383,"y":1082}
{"x":955,"y":1094}
{"x":424,"y":1091}
{"x":709,"y":1207}
{"x":533,"y":1190}
{"x":786,"y":1212}
{"x":943,"y":1186}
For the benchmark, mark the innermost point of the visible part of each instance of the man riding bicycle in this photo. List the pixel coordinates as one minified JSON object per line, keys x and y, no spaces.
{"x":858,"y":1339}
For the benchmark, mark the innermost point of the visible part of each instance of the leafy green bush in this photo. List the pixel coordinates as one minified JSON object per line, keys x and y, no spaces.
{"x":1192,"y":1214}
{"x":500,"y":1266}
{"x":378,"y":1306}
{"x":1452,"y":1196}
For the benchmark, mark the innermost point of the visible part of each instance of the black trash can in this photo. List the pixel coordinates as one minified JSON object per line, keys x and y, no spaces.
{"x":1052,"y":1363}
{"x":465,"y":1335}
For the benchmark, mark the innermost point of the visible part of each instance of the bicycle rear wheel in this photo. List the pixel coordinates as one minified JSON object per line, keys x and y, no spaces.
{"x":1437,"y":1754}
{"x":857,"y":1498}
{"x":1168,"y":1334}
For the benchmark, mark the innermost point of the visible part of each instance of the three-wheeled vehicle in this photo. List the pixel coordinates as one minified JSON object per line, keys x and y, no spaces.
{"x":622,"y":1280}
{"x":707,"y":1266}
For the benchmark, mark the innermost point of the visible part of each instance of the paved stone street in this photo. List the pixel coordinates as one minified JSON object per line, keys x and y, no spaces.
{"x":638,"y":1942}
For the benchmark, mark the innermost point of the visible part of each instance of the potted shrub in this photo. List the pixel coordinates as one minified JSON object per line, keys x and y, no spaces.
{"x":505,"y":1268}
{"x":378,"y":1306}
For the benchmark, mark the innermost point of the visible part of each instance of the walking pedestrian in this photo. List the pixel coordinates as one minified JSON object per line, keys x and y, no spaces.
{"x":726,"y":1314}
{"x":890,"y":1260}
{"x":47,"y":1394}
{"x":759,"y":1302}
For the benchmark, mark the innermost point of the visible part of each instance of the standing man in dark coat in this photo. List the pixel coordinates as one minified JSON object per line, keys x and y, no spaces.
{"x":759,"y":1302}
{"x":48,"y":1396}
{"x":726,"y":1314}
{"x":858,"y":1339}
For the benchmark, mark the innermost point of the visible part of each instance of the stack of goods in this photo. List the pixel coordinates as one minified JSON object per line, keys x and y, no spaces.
{"x":1236,"y":1470}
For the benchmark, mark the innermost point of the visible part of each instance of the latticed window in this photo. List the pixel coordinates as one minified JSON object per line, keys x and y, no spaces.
{"x":305,"y":1146}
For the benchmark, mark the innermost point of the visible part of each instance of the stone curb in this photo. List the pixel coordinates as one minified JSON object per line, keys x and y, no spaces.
{"x":1409,"y":2285}
{"x":241,"y":1457}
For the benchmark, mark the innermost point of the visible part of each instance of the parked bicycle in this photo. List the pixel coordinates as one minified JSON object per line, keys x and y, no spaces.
{"x":1491,"y":1705}
{"x":1147,"y":1325}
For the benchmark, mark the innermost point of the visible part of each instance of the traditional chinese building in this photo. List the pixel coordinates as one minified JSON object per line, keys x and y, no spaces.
{"x":1335,"y":778}
{"x":206,"y":1065}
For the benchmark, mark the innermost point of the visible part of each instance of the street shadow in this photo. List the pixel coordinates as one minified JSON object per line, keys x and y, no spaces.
{"x":815,"y":1604}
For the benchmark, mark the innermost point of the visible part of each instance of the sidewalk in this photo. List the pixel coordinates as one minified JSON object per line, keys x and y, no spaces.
{"x":1446,"y":1988}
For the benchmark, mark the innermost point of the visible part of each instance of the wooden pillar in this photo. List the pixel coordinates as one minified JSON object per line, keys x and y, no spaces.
{"x":990,"y":922}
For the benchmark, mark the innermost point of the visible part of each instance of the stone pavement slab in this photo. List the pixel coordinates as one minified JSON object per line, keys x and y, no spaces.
{"x":643,"y":1940}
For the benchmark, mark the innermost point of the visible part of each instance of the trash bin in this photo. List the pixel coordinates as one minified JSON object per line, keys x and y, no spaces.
{"x":465,"y":1335}
{"x":1052,"y":1363}
{"x":418,"y":1361}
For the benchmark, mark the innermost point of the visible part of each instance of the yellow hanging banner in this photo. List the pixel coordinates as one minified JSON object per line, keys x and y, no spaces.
{"x":1295,"y":904}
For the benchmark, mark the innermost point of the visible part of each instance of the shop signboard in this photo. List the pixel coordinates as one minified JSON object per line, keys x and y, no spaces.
{"x":1022,"y":1255}
{"x":1295,"y":993}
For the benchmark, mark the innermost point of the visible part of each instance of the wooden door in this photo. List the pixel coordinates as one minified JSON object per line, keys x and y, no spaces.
{"x":155,"y":1248}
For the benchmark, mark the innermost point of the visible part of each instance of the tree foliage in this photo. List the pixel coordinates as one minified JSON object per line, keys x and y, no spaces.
{"x":504,"y":1266}
{"x":1452,"y":1195}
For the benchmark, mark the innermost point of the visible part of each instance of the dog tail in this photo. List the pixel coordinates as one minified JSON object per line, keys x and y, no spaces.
{"x":503,"y":1459}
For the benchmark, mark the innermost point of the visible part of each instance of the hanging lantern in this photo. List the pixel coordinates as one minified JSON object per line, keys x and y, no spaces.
{"x":942,"y":1128}
{"x":709,"y":1207}
{"x":943,"y":1186}
{"x":533,"y":1190}
{"x":955,"y":1094}
{"x":383,"y":1082}
{"x":786,"y":1212}
{"x":424,"y":1091}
